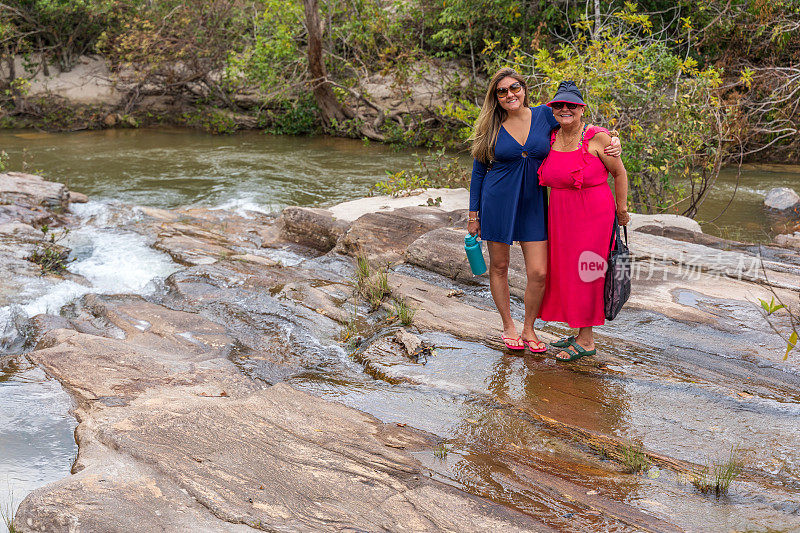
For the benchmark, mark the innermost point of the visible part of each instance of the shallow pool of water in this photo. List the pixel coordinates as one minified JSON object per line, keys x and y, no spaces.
{"x":36,"y":439}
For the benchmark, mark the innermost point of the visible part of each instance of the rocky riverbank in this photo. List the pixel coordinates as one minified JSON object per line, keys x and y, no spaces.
{"x":248,"y":392}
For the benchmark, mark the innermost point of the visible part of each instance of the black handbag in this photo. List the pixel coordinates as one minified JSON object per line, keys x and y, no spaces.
{"x":618,"y":275}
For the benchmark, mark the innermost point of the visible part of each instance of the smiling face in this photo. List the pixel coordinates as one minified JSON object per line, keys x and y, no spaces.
{"x":567,"y":117}
{"x":511,"y":101}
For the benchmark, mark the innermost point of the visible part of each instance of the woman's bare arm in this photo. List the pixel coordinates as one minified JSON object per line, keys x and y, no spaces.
{"x":614,"y":165}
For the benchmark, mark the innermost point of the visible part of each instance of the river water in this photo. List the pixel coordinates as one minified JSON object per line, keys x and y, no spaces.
{"x":174,"y":167}
{"x":170,"y":168}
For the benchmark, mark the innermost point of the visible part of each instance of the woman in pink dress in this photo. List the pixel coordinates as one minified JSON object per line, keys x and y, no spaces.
{"x":580,"y":220}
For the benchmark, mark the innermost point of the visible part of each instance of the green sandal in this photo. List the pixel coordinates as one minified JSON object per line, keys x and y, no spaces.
{"x":563,"y":343}
{"x":575,"y":351}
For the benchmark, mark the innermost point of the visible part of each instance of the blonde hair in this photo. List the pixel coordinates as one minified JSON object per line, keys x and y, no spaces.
{"x":492,"y":115}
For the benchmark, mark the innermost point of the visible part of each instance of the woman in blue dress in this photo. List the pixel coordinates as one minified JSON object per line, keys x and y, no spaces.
{"x":506,"y":202}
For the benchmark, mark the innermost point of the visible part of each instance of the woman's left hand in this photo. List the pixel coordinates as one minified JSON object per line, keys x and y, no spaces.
{"x":623,"y":217}
{"x":615,"y":148}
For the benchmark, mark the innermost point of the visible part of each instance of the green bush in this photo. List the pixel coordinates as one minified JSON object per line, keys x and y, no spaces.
{"x":293,"y":118}
{"x":666,"y":108}
{"x":210,"y":120}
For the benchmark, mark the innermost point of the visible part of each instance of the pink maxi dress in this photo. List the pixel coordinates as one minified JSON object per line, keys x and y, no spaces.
{"x":580,"y":220}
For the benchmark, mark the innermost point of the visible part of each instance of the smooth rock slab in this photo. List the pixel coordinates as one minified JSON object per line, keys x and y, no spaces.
{"x":789,"y":241}
{"x":277,"y":460}
{"x":384,"y":237}
{"x":286,"y":460}
{"x":452,"y":200}
{"x":663,"y":221}
{"x":174,"y":432}
{"x":312,"y":227}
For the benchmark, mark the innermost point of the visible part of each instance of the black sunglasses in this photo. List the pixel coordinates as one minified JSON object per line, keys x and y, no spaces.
{"x":559,"y":105}
{"x":503,"y":91}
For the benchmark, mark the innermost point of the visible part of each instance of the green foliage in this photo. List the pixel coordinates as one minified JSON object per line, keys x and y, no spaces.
{"x":51,"y":257}
{"x":4,"y":158}
{"x":434,"y":202}
{"x":363,"y":271}
{"x":460,"y":115}
{"x":377,"y":289}
{"x":358,"y":33}
{"x":634,"y":458}
{"x":372,"y":285}
{"x":17,"y":87}
{"x":7,"y":512}
{"x":210,"y":120}
{"x":770,"y":307}
{"x":437,"y":169}
{"x":460,"y":27}
{"x":443,"y":170}
{"x":61,"y":30}
{"x":666,"y":108}
{"x":183,"y":46}
{"x":791,"y":344}
{"x":299,"y":117}
{"x":441,"y":450}
{"x":400,"y":183}
{"x":382,"y":281}
{"x":403,"y":312}
{"x":275,"y":55}
{"x":717,"y":477}
{"x":349,"y":330}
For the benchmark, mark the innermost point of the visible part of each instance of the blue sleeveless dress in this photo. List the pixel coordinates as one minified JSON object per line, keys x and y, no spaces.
{"x":511,"y":204}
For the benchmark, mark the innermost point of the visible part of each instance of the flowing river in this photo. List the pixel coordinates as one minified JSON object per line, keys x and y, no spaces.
{"x":171,"y":168}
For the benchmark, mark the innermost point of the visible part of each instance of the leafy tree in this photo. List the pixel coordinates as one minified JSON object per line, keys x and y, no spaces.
{"x":179,"y":46}
{"x":60,"y":30}
{"x":665,"y":106}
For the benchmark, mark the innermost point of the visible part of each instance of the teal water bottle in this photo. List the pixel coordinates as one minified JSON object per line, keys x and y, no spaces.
{"x":474,"y":254}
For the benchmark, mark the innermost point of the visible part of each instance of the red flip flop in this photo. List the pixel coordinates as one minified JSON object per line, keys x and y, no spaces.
{"x":510,"y":347}
{"x":531,"y":343}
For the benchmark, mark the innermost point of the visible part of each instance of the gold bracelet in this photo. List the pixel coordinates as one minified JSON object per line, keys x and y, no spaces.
{"x":472,"y":219}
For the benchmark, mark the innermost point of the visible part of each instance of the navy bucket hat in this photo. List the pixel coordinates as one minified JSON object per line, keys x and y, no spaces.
{"x":568,"y":92}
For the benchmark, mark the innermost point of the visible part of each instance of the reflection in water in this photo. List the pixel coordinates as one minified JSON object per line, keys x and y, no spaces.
{"x":561,"y":392}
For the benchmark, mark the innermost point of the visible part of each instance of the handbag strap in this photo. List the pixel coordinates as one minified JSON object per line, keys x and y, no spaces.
{"x":615,"y":234}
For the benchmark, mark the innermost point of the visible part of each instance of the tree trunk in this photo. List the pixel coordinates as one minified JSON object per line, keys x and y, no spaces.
{"x":330,"y":108}
{"x":12,"y":68}
{"x":596,"y":17}
{"x":43,"y":57}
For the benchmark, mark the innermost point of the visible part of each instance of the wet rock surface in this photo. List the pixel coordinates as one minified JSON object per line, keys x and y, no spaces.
{"x":255,"y":391}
